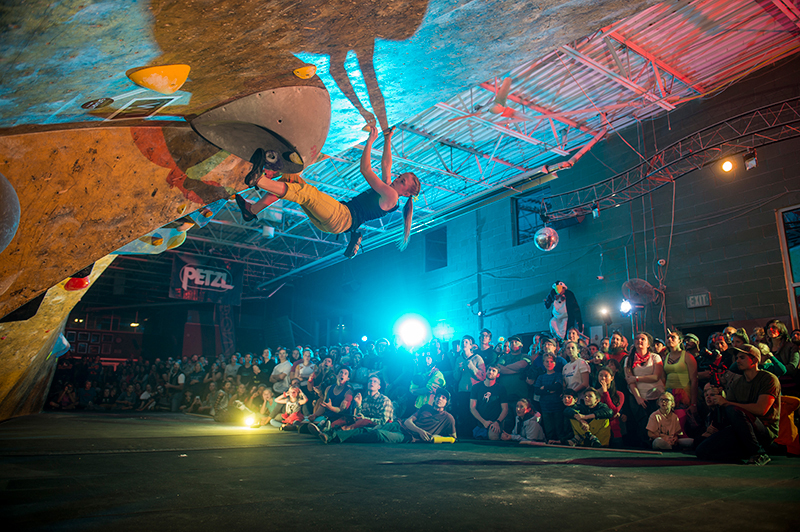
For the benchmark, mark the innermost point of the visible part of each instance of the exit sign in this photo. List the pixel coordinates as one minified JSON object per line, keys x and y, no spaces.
{"x":698,"y":300}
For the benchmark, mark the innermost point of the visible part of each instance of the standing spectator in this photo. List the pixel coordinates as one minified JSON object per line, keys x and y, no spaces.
{"x":245,"y":374}
{"x":175,"y":381}
{"x":280,"y":373}
{"x":577,"y":372}
{"x":680,"y":369}
{"x":426,"y":382}
{"x":644,"y":373}
{"x":512,"y":367}
{"x":548,"y":388}
{"x":485,"y":347}
{"x":787,"y":352}
{"x":471,"y":370}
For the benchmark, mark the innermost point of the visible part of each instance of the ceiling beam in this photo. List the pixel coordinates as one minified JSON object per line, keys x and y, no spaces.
{"x":544,"y":112}
{"x":625,"y":82}
{"x":501,"y":129}
{"x":663,"y":65}
{"x":457,"y":146}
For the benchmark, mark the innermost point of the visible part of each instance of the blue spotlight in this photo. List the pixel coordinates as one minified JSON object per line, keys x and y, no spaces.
{"x":413,"y":330}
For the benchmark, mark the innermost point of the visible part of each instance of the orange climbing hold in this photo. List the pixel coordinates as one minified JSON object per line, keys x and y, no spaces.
{"x":165,"y":79}
{"x":305,"y":72}
{"x":76,"y":283}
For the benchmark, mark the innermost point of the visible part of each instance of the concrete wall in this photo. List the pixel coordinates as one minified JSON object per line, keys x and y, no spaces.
{"x":724,"y":241}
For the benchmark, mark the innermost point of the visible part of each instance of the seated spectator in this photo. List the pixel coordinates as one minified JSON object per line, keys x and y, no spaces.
{"x":715,"y":416}
{"x":590,"y":425}
{"x":266,"y":407}
{"x":752,"y":408}
{"x":223,"y":406}
{"x":191,"y":403}
{"x":336,"y":401}
{"x":146,"y":399}
{"x":548,"y":388}
{"x":371,"y":409}
{"x":569,"y":408}
{"x":66,"y":399}
{"x":614,"y":400}
{"x":292,"y":415}
{"x":87,"y":396}
{"x":488,"y":404}
{"x":126,"y":400}
{"x":428,"y":424}
{"x":664,"y":427}
{"x":526,"y":424}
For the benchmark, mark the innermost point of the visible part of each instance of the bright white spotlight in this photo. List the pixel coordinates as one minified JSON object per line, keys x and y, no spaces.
{"x":727,"y":166}
{"x":364,"y":338}
{"x":413,"y":330}
{"x":625,"y":307}
{"x":249,"y":421}
{"x":604,"y":311}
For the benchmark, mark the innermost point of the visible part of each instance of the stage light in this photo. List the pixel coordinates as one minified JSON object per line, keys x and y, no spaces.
{"x":625,"y":307}
{"x":604,"y":311}
{"x":135,"y":324}
{"x":727,"y":166}
{"x":595,"y":211}
{"x":413,"y":330}
{"x":364,"y":338}
{"x":249,"y":421}
{"x":750,"y":160}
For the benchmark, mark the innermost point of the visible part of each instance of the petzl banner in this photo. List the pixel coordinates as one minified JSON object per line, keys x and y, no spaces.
{"x":206,"y":280}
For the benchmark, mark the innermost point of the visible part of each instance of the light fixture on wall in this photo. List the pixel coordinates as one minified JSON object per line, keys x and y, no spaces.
{"x":750,"y":160}
{"x":595,"y":211}
{"x":727,"y":166}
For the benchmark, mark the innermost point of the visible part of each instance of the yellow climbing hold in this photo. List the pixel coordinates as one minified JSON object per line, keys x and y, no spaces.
{"x":176,"y":240}
{"x":182,"y":208}
{"x":305,"y":72}
{"x":165,"y":79}
{"x":295,"y":158}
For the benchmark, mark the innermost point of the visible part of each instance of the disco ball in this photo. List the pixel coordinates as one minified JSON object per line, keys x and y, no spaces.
{"x":546,"y":238}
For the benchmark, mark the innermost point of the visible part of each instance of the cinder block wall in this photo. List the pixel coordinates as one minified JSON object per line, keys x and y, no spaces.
{"x":724,"y":241}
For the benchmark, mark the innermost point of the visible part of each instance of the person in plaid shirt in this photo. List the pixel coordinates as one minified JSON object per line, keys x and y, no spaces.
{"x":373,"y":408}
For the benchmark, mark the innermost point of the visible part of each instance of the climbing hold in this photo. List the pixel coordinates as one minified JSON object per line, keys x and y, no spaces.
{"x":165,"y":79}
{"x":295,"y":158}
{"x":176,"y":240}
{"x":182,"y":208}
{"x":154,"y":240}
{"x":9,"y":212}
{"x":80,"y":280}
{"x":305,"y":72}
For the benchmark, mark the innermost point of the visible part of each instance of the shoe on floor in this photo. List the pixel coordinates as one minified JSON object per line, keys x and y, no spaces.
{"x":244,"y":207}
{"x":759,"y":459}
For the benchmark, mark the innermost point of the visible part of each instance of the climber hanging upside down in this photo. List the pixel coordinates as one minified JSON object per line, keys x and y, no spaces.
{"x":330,"y":215}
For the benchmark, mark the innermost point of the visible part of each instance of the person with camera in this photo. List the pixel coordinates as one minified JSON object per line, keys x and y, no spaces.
{"x":752,"y":408}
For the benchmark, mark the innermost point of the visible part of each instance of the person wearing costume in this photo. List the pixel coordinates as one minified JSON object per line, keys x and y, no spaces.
{"x":565,"y":309}
{"x":330,"y":215}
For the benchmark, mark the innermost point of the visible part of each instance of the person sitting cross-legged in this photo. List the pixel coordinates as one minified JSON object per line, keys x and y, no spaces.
{"x":526,"y":424}
{"x":371,"y":410}
{"x":664,"y":427}
{"x":591,"y":426}
{"x":431,"y":423}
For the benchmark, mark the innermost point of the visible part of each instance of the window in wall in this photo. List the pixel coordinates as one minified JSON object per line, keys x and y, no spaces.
{"x":528,"y":210}
{"x":789,"y":233}
{"x":436,"y":249}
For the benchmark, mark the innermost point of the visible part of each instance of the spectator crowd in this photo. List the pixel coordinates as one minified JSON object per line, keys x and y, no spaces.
{"x":730,"y":400}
